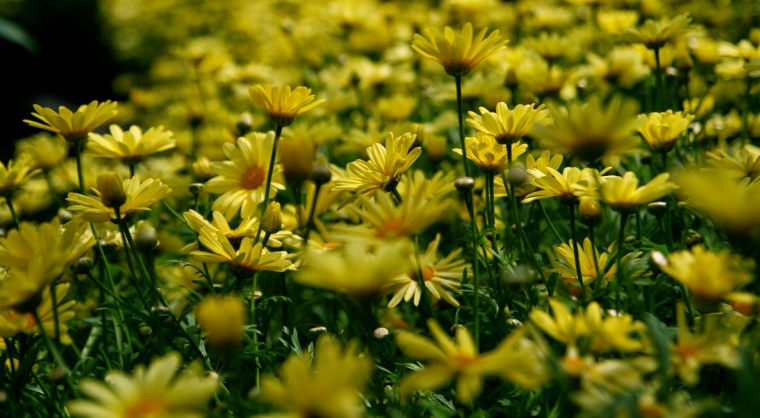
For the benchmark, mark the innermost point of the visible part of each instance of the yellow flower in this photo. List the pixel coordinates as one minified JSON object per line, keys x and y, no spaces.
{"x":624,"y":195}
{"x":241,"y":180}
{"x":489,"y":154}
{"x":508,"y":126}
{"x":458,"y":53}
{"x":74,"y":126}
{"x":355,"y":268}
{"x":35,"y":256}
{"x":623,"y":66}
{"x":736,"y":164}
{"x":13,"y":322}
{"x":612,"y":332}
{"x":709,"y":276}
{"x":283,"y":105}
{"x":654,"y":34}
{"x":586,"y":256}
{"x":714,"y":344}
{"x":532,"y":164}
{"x":565,"y":186}
{"x":44,"y":149}
{"x":386,"y":164}
{"x":140,"y":196}
{"x":14,"y":174}
{"x":159,"y":391}
{"x":561,"y":325}
{"x":328,"y":387}
{"x":222,"y":319}
{"x":515,"y":359}
{"x":591,"y":130}
{"x":130,"y":146}
{"x":440,"y":276}
{"x":615,"y":21}
{"x":245,"y":261}
{"x":247,"y":227}
{"x":662,"y":130}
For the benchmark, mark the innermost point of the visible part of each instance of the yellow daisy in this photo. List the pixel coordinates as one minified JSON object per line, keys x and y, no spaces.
{"x":221,"y":318}
{"x":283,"y":106}
{"x":383,"y":170}
{"x":35,"y":256}
{"x":587,"y":254}
{"x":140,"y":195}
{"x":488,"y":154}
{"x":12,"y":322}
{"x":44,"y":149}
{"x":508,"y":126}
{"x":130,"y":146}
{"x":74,"y":126}
{"x":241,"y":180}
{"x":245,"y":261}
{"x":662,"y":130}
{"x":565,"y":186}
{"x":246,"y":228}
{"x":516,"y":359}
{"x":736,"y":163}
{"x":655,"y":34}
{"x":159,"y":391}
{"x":441,"y":277}
{"x":458,"y":53}
{"x":328,"y":386}
{"x":14,"y":174}
{"x":624,"y":195}
{"x":591,"y":130}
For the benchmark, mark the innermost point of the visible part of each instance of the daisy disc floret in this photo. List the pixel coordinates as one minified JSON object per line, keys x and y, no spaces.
{"x":129,"y":146}
{"x":283,"y":104}
{"x":73,"y":126}
{"x":158,"y":391}
{"x":509,"y":125}
{"x":140,"y":195}
{"x":458,"y":53}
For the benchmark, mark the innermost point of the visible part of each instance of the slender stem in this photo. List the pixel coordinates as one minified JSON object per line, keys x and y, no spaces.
{"x":549,"y":221}
{"x":10,"y":348}
{"x":576,"y":254}
{"x":131,"y":170}
{"x":310,"y":221}
{"x":660,"y":81}
{"x":619,"y":258}
{"x":475,"y":264}
{"x":521,"y":231}
{"x":397,"y":195}
{"x":458,"y":81}
{"x":745,"y":111}
{"x":421,"y":281}
{"x":51,"y":347}
{"x":277,"y":133}
{"x":638,"y":224}
{"x":597,"y":271}
{"x":78,"y":154}
{"x":9,"y":202}
{"x":255,"y":327}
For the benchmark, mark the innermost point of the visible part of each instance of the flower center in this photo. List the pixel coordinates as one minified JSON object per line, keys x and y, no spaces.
{"x":145,"y":408}
{"x":464,"y":360}
{"x":427,"y":273}
{"x":253,"y":178}
{"x":394,"y":227}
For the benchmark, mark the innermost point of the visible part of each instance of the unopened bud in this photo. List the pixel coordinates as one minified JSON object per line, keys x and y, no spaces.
{"x":657,"y":209}
{"x":380,"y":333}
{"x":202,"y":169}
{"x":320,"y":173}
{"x":464,"y":184}
{"x":590,"y":212}
{"x":111,"y":190}
{"x":244,"y":124}
{"x":64,"y":215}
{"x":82,"y":266}
{"x":147,"y":238}
{"x":517,"y":176}
{"x":317,"y":330}
{"x":694,"y":238}
{"x":195,"y":189}
{"x":271,"y":222}
{"x":297,"y":158}
{"x":418,"y":130}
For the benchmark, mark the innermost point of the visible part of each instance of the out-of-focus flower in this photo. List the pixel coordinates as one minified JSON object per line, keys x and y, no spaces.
{"x":458,"y":53}
{"x":44,"y":149}
{"x":14,"y":174}
{"x":74,"y":126}
{"x":221,"y":318}
{"x":13,"y":322}
{"x":129,"y":146}
{"x":158,"y":391}
{"x":283,"y":105}
{"x":654,"y":34}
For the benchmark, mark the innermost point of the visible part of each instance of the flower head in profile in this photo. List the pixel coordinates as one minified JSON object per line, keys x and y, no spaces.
{"x":592,"y":130}
{"x":516,"y":359}
{"x":567,"y":186}
{"x":140,"y":195}
{"x":241,"y":180}
{"x":709,"y":276}
{"x":44,"y":149}
{"x":329,"y":386}
{"x":509,"y":125}
{"x":662,"y":130}
{"x":488,"y":154}
{"x":624,"y":194}
{"x":441,"y":277}
{"x":13,"y":322}
{"x":158,"y":391}
{"x":222,"y":319}
{"x":247,"y":227}
{"x":458,"y":53}
{"x":35,"y":256}
{"x":73,"y":126}
{"x":654,"y":34}
{"x":244,"y":262}
{"x":129,"y":146}
{"x":283,"y":105}
{"x":383,"y":170}
{"x":14,"y":174}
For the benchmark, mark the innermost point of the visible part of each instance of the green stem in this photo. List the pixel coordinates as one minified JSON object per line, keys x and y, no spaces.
{"x":619,"y":259}
{"x":475,"y":264}
{"x":421,"y":281}
{"x":458,"y":81}
{"x":78,"y":154}
{"x":10,"y":348}
{"x":638,"y":224}
{"x":310,"y":221}
{"x":745,"y":111}
{"x":256,"y":327}
{"x":397,"y":195}
{"x":597,"y":271}
{"x":51,"y":347}
{"x":131,"y":170}
{"x":660,"y":81}
{"x":576,"y":253}
{"x":549,"y":221}
{"x":277,"y":133}
{"x":9,"y":202}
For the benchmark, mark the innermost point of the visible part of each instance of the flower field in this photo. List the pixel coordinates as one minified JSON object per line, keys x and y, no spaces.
{"x":340,"y":209}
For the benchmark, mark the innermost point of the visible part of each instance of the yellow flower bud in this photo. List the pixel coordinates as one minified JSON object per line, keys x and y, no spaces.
{"x":111,"y":190}
{"x":590,"y":212}
{"x":222,"y":319}
{"x":202,"y":169}
{"x":297,"y":159}
{"x":271,"y":222}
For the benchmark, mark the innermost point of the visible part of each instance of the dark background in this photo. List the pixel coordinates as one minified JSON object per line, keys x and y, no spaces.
{"x":71,"y":64}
